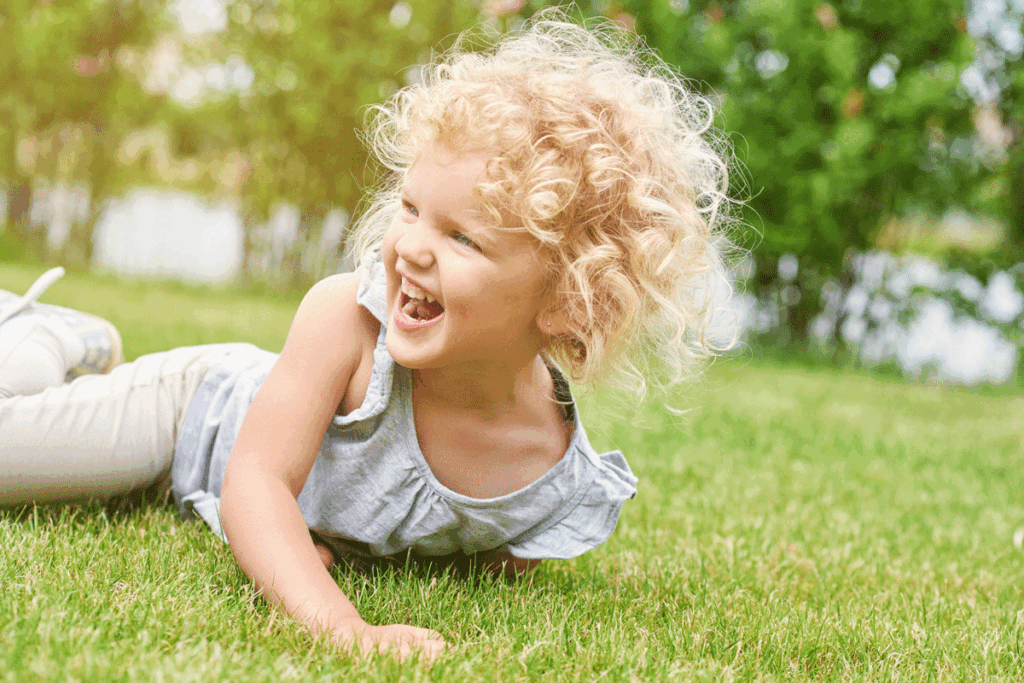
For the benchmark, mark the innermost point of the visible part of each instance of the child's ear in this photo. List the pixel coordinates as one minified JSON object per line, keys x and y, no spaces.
{"x":552,"y":323}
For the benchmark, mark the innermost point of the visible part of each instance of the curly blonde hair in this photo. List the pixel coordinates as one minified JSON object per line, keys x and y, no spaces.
{"x":608,"y":159}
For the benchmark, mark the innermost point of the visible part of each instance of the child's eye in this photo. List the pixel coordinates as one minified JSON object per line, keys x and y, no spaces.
{"x":462,"y":239}
{"x":410,"y":208}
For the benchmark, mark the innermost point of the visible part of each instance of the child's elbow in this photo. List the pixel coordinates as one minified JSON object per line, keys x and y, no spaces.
{"x":507,"y":564}
{"x":235,"y":497}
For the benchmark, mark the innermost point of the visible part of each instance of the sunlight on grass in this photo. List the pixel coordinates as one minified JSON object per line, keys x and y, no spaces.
{"x":798,"y":525}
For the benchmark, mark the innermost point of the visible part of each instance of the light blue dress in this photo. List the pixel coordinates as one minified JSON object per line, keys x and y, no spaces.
{"x":371,"y":484}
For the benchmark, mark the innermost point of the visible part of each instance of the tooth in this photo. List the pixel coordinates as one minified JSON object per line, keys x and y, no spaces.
{"x":414,"y":292}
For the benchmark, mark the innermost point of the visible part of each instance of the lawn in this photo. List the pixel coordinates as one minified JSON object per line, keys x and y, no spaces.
{"x":797,"y":524}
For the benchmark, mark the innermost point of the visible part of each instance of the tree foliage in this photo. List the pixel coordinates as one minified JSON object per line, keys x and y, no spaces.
{"x":64,"y":95}
{"x":832,"y":150}
{"x":1010,"y":76}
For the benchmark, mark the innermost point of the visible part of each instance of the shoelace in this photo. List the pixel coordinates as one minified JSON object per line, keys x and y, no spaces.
{"x":41,"y":284}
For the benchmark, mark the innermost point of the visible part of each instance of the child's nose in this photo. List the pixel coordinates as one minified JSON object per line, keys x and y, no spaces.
{"x":414,"y":246}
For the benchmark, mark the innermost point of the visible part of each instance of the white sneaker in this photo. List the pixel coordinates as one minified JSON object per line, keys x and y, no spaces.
{"x":102,"y":342}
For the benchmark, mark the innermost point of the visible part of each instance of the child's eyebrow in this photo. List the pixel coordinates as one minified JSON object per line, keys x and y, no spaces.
{"x":479,"y":233}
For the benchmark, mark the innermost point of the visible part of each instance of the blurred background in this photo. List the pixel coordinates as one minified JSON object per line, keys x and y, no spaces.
{"x":215,"y":142}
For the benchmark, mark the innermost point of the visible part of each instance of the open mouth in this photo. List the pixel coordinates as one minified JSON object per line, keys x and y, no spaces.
{"x":418,"y":304}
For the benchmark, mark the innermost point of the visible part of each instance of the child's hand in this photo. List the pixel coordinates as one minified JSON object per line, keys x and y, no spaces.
{"x":362,"y":638}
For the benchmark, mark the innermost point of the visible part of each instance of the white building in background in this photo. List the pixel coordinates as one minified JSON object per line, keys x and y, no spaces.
{"x":163,"y":233}
{"x":172,"y":234}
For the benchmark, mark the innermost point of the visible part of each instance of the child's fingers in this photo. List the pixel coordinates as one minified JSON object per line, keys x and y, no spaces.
{"x":425,"y":649}
{"x":402,"y":640}
{"x":427,"y":642}
{"x":416,"y":633}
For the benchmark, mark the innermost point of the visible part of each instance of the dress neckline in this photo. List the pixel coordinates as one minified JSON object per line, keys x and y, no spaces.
{"x":403,"y":378}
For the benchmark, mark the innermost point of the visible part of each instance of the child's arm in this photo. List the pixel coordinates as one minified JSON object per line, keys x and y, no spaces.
{"x":276,"y":447}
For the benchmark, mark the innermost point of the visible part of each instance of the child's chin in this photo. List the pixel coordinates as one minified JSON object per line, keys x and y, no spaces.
{"x":411,"y":356}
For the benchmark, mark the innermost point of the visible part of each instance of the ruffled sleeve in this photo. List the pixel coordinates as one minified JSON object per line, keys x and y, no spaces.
{"x":373,"y":287}
{"x":588,"y":522}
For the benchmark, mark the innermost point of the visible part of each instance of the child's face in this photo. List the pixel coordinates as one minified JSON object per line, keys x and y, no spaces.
{"x":487,"y":284}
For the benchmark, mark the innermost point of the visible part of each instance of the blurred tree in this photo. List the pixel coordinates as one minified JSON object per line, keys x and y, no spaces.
{"x":1002,"y":48}
{"x":316,"y":65}
{"x":67,"y":99}
{"x":1013,"y":107}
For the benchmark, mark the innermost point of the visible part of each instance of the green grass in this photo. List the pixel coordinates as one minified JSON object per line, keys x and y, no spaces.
{"x":799,"y":524}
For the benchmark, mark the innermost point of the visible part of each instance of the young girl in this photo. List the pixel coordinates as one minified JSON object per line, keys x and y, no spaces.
{"x":556,"y":197}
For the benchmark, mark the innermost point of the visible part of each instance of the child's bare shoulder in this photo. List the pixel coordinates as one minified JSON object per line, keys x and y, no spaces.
{"x":343,"y":327}
{"x":334,"y":298}
{"x":331,"y":331}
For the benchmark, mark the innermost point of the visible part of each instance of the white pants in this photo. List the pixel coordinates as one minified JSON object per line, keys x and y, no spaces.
{"x":98,"y":436}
